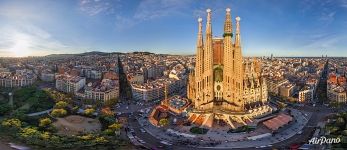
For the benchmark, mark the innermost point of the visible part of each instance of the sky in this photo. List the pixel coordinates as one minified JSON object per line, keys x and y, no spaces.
{"x":278,"y":27}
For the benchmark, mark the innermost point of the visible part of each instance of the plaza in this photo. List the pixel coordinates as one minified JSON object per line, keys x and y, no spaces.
{"x":74,"y":125}
{"x":220,"y":138}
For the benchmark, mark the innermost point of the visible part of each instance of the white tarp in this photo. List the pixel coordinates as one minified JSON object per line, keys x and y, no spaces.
{"x":182,"y":134}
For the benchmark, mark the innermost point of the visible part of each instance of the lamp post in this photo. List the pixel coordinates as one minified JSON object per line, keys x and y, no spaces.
{"x":10,"y":99}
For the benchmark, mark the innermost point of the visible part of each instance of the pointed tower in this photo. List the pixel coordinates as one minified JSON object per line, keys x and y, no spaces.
{"x":231,"y":74}
{"x":208,"y":65}
{"x":237,"y":37}
{"x":223,"y":86}
{"x":238,"y":70}
{"x":199,"y":66}
{"x":228,"y":60}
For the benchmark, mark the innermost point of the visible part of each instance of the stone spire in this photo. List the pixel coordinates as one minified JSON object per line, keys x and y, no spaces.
{"x":208,"y":23}
{"x":228,"y":27}
{"x":237,"y":36}
{"x":199,"y":51}
{"x":208,"y":63}
{"x":229,"y":63}
{"x":208,"y":55}
{"x":200,"y":36}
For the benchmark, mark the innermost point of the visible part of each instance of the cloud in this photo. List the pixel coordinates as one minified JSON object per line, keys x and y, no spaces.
{"x":144,"y":11}
{"x":343,"y":3}
{"x":327,"y":17}
{"x":28,"y":40}
{"x":96,"y":7}
{"x":148,"y":10}
{"x":324,"y":10}
{"x":151,"y":9}
{"x":20,"y":12}
{"x":122,"y":23}
{"x":324,"y":41}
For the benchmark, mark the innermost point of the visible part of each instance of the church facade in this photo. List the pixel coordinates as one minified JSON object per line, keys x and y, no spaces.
{"x":224,"y":86}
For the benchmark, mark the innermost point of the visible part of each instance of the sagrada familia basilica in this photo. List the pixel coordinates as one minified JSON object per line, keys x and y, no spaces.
{"x":224,"y":86}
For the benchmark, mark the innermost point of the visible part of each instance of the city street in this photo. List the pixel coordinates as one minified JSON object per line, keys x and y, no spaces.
{"x":173,"y":74}
{"x":278,"y":140}
{"x":236,"y":140}
{"x":4,"y":146}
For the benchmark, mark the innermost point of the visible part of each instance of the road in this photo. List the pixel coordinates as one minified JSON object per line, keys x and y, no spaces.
{"x":318,"y":115}
{"x":153,"y":143}
{"x":4,"y":146}
{"x":39,"y":113}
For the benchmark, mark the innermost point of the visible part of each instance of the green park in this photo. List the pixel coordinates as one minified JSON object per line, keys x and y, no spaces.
{"x":47,"y":119}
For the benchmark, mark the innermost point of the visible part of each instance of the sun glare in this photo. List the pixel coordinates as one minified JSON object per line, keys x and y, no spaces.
{"x":21,"y":48}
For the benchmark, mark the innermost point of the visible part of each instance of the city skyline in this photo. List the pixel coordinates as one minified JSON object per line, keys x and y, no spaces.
{"x":122,"y":75}
{"x":286,"y":28}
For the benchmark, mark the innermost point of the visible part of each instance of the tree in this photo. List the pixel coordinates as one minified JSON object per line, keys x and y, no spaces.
{"x":4,"y":109}
{"x":107,"y":112}
{"x":111,"y":102}
{"x":86,"y":137}
{"x":108,"y":132}
{"x":45,"y":135}
{"x":88,"y":101}
{"x":344,"y":132}
{"x":61,"y":104}
{"x":45,"y":122}
{"x":100,"y":140}
{"x":58,"y":112}
{"x":115,"y":127}
{"x":106,"y":121}
{"x":340,"y":121}
{"x":163,"y":122}
{"x":29,"y":132}
{"x":75,"y":109}
{"x":12,"y":123}
{"x":331,"y":129}
{"x":19,"y":114}
{"x":89,"y":111}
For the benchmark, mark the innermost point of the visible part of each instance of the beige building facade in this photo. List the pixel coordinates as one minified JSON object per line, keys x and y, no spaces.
{"x":223,"y":86}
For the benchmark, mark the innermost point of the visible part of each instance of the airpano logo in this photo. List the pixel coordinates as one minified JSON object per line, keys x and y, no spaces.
{"x":324,"y":140}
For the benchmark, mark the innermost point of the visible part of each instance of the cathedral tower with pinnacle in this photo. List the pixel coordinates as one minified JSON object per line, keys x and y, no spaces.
{"x":223,"y":86}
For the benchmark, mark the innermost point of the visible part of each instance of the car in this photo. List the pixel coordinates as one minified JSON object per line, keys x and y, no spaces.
{"x":142,"y":130}
{"x":165,"y":142}
{"x":18,"y":147}
{"x":300,"y":132}
{"x":141,"y":141}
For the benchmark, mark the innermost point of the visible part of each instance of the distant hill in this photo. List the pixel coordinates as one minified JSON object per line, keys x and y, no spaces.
{"x":93,"y":53}
{"x":59,"y":55}
{"x":103,"y":54}
{"x":83,"y":54}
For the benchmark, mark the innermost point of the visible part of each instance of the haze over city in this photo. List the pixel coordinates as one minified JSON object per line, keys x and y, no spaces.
{"x":282,"y":28}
